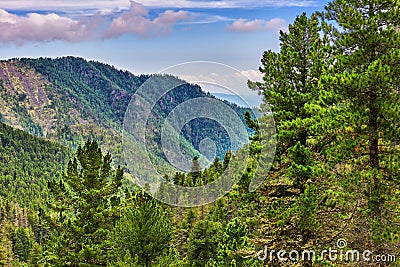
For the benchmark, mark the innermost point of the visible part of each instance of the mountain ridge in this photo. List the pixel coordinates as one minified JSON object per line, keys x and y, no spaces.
{"x":70,"y":99}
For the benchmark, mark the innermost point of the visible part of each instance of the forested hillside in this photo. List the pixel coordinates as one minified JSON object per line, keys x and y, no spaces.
{"x":331,"y":197}
{"x":70,"y":99}
{"x":26,"y":164}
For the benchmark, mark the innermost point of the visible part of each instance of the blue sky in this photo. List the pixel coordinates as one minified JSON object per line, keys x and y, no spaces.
{"x":149,"y":35}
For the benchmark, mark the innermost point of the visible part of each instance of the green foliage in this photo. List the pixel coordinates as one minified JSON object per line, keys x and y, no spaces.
{"x":5,"y":247}
{"x":36,"y":258}
{"x":26,"y":163}
{"x":101,"y":94}
{"x":234,"y":238}
{"x":292,"y":214}
{"x":197,"y":177}
{"x":334,"y":93}
{"x":17,"y":234}
{"x":144,"y":230}
{"x":203,"y":242}
{"x":22,"y":243}
{"x":195,"y":171}
{"x":101,"y":90}
{"x":365,"y":81}
{"x":85,"y":208}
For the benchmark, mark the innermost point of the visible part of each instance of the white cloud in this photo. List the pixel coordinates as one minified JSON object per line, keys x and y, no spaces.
{"x":71,"y":27}
{"x":275,"y":24}
{"x":43,"y":28}
{"x":35,"y":27}
{"x":78,"y":7}
{"x":228,"y":3}
{"x":243,"y":25}
{"x":253,"y":75}
{"x":136,"y":21}
{"x":202,"y":18}
{"x":109,"y":6}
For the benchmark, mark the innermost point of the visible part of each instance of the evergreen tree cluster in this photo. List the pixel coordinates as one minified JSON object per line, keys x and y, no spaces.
{"x":333,"y":89}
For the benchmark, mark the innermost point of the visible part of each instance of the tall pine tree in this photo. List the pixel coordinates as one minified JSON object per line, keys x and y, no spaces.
{"x":296,"y":192}
{"x":365,"y":77}
{"x":85,"y":208}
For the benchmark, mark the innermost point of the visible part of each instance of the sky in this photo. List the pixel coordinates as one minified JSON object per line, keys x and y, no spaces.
{"x":149,"y":36}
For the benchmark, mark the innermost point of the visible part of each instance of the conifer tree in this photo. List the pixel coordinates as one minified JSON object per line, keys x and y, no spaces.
{"x":203,"y":243}
{"x":5,"y":247}
{"x":195,"y":172}
{"x":297,"y":181}
{"x":85,"y":202}
{"x":22,"y":243}
{"x":365,"y":77}
{"x":143,"y":231}
{"x":36,"y":258}
{"x":234,"y":238}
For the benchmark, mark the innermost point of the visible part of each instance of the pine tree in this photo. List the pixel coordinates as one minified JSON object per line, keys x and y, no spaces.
{"x":22,"y":243}
{"x":179,"y":178}
{"x":143,"y":231}
{"x":234,"y":238}
{"x":203,"y":243}
{"x":293,"y":213}
{"x":227,"y":159}
{"x":365,"y":77}
{"x":6,"y":246}
{"x":36,"y":258}
{"x":195,"y":172}
{"x":86,"y":203}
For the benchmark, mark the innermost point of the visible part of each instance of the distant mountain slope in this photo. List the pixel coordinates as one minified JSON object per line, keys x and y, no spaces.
{"x":102,"y":91}
{"x":70,"y":99}
{"x":26,"y":164}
